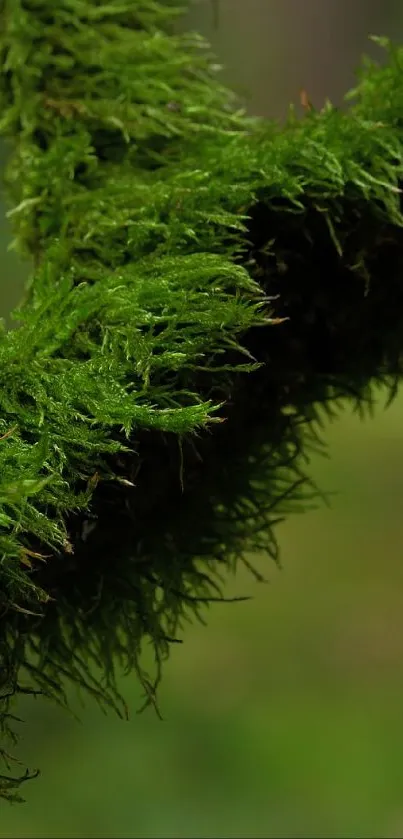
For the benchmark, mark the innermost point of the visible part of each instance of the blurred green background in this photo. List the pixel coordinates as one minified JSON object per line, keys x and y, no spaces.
{"x":284,"y":715}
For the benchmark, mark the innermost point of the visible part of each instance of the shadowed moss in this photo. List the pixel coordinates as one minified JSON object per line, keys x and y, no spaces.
{"x":206,"y":288}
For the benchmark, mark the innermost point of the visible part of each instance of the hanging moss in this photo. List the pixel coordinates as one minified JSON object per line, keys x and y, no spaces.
{"x":206,"y":287}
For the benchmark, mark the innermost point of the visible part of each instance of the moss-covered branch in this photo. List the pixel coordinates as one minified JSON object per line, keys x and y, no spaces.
{"x":205,"y":286}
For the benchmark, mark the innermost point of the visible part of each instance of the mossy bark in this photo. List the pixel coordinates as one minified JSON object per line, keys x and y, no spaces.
{"x":206,"y":285}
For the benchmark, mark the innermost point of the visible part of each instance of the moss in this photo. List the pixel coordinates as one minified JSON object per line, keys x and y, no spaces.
{"x":206,"y":287}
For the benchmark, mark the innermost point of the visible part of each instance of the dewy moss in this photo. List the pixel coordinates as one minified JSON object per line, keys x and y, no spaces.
{"x":206,"y":285}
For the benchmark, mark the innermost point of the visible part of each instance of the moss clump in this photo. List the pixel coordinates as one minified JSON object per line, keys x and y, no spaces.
{"x":205,"y":286}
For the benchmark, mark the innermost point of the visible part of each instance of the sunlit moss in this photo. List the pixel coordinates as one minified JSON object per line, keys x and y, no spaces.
{"x":206,"y":286}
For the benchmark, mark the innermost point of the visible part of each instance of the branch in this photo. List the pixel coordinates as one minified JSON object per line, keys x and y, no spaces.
{"x":206,"y":287}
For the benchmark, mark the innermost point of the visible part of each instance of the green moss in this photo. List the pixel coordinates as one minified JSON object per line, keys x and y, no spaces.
{"x":206,"y":286}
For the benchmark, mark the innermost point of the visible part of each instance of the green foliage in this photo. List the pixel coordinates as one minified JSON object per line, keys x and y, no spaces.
{"x":205,"y":286}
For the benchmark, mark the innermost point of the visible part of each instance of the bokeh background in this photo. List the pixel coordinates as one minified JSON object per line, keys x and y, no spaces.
{"x":284,"y":715}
